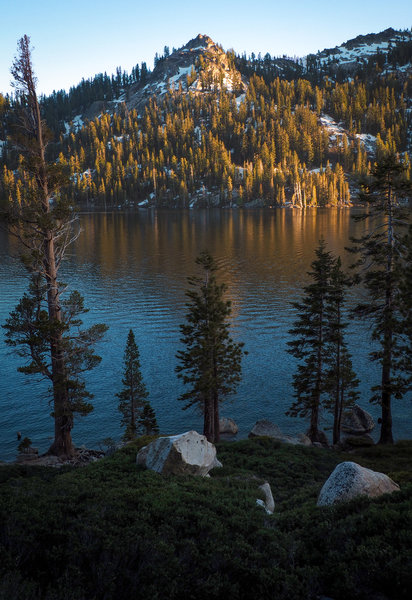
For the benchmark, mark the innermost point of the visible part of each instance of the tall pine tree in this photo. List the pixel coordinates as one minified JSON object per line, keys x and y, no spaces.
{"x":340,"y":379}
{"x":309,"y":345}
{"x":405,"y":351}
{"x":211,"y":361}
{"x":40,"y":328}
{"x":382,"y":253}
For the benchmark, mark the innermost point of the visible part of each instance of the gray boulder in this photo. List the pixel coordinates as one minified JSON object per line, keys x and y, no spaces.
{"x":357,"y":421}
{"x":228,"y":426}
{"x":269,"y":429}
{"x":265,"y":428}
{"x":350,"y":480}
{"x":186,"y":454}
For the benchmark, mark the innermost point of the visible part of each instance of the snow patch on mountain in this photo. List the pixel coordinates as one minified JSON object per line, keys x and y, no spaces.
{"x":344,"y":55}
{"x":331,"y":125}
{"x":358,"y":50}
{"x":181,"y":75}
{"x":368,"y":140}
{"x":75,"y":124}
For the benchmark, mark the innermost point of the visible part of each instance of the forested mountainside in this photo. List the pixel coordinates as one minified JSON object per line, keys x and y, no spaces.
{"x":208,"y":127}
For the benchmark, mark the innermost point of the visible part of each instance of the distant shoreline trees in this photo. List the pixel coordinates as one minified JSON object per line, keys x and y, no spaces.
{"x":271,"y":146}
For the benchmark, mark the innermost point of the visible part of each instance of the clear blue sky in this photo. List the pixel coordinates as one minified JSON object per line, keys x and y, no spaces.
{"x":83,"y":37}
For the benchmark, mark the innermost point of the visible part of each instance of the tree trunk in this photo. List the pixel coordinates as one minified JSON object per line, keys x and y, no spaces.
{"x":337,"y":412}
{"x":336,"y":420}
{"x":313,"y":431}
{"x":216,"y":428}
{"x":132,"y":407}
{"x":208,"y":418}
{"x":342,"y":398}
{"x":47,"y":267}
{"x":62,"y":445}
{"x":386,"y":436}
{"x":216,"y":418}
{"x":63,"y":419}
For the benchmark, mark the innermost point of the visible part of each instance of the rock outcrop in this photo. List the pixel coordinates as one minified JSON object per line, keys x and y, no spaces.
{"x":186,"y":454}
{"x":357,"y":421}
{"x":350,"y":480}
{"x":269,"y":429}
{"x":82,"y":457}
{"x":201,"y":66}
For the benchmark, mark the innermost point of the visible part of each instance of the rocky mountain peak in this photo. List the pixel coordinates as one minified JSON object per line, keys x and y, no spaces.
{"x":200,"y":41}
{"x":197,"y":67}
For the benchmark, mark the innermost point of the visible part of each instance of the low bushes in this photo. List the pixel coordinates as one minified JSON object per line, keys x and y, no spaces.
{"x":114,"y":531}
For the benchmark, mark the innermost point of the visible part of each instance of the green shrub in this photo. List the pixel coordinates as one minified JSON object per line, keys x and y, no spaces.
{"x":111,"y":530}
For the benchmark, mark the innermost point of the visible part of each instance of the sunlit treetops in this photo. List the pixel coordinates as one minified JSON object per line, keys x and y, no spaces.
{"x":268,"y":143}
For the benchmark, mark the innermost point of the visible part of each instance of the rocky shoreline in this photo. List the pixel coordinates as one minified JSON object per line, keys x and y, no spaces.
{"x":357,"y":424}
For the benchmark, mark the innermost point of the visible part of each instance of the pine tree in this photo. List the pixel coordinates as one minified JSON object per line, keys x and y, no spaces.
{"x":29,"y":330}
{"x":340,"y":379}
{"x":132,"y":398}
{"x":381,"y":251}
{"x":405,"y":346}
{"x":147,"y":422}
{"x":310,"y":329}
{"x":211,"y":361}
{"x":39,"y":327}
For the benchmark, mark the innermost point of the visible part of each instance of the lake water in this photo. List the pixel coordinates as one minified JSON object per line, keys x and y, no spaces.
{"x":132,"y":269}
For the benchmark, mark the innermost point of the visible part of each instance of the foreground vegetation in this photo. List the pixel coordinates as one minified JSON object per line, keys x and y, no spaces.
{"x":111,"y":530}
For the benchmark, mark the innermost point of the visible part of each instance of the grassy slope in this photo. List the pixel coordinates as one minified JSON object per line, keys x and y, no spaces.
{"x":113,"y":531}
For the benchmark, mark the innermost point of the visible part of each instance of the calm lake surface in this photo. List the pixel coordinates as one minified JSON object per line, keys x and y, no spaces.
{"x":132,"y":268}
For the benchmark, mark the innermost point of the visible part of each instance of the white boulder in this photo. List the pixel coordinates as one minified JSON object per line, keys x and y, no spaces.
{"x":349,"y":480}
{"x":268,"y":504}
{"x":186,"y":454}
